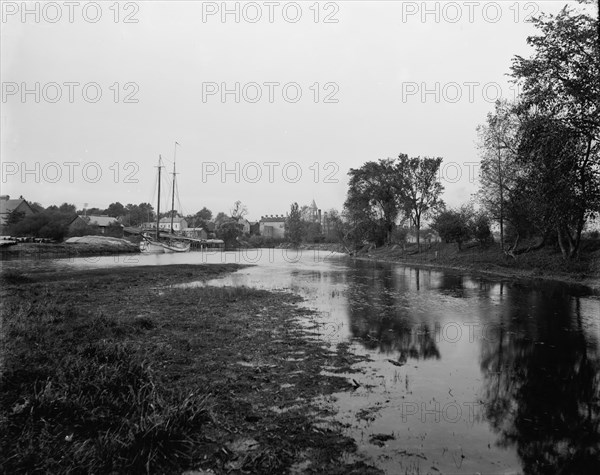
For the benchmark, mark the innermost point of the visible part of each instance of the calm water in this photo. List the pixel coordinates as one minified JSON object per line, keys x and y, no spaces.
{"x":468,"y":374}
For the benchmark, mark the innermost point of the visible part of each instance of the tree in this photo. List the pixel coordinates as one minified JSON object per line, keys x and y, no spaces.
{"x":560,"y":129}
{"x":372,"y":204}
{"x":480,"y":228}
{"x":420,"y":188}
{"x":229,"y":232}
{"x":566,"y":196}
{"x":14,"y":217}
{"x":453,"y":225}
{"x":293,"y":225}
{"x":200,"y":219}
{"x":116,"y":210}
{"x":498,"y":150}
{"x":36,"y":207}
{"x":220,"y":219}
{"x":239,"y":210}
{"x":138,"y":214}
{"x":67,"y":208}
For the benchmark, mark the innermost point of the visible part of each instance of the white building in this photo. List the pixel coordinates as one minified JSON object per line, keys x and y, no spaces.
{"x":272,"y":226}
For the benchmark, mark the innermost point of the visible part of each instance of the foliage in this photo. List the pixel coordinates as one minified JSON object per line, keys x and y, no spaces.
{"x":294,"y":226}
{"x":200,"y":219}
{"x":116,"y":210}
{"x":499,"y":169}
{"x":51,"y":224}
{"x":480,"y":228}
{"x":560,"y":126}
{"x":67,"y":208}
{"x":419,"y":188}
{"x":372,"y":204}
{"x":229,"y":232}
{"x":14,"y":217}
{"x":135,"y":215}
{"x":453,"y":225}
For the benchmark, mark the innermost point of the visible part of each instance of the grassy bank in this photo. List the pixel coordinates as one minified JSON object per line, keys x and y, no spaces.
{"x":546,"y":263}
{"x":114,"y":371}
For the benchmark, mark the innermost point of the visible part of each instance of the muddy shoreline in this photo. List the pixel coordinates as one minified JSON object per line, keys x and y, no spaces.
{"x":239,"y":368}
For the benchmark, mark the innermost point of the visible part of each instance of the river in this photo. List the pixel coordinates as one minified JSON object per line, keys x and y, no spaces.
{"x":466,"y":374}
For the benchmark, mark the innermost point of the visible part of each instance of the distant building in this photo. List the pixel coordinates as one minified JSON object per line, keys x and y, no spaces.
{"x":244,"y":225}
{"x":101,"y":223}
{"x":272,"y":226}
{"x":195,"y":233}
{"x":314,"y":213}
{"x":178,"y":224}
{"x":7,"y":206}
{"x":255,"y":228}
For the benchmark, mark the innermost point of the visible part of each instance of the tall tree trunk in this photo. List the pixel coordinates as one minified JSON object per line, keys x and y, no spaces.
{"x":418,"y":226}
{"x":561,"y":243}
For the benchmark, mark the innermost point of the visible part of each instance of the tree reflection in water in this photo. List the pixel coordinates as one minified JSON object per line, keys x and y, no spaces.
{"x":380,"y":317}
{"x":542,"y":383}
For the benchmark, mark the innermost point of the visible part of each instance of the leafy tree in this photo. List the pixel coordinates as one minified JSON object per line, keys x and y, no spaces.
{"x":14,"y":217}
{"x":498,"y":148}
{"x":138,"y":214}
{"x":220,"y":219}
{"x":372,"y":204}
{"x":453,"y":225}
{"x":294,"y":225}
{"x":480,"y":228}
{"x":67,"y":208}
{"x":312,"y":232}
{"x":200,"y":219}
{"x":565,"y":196}
{"x":50,"y":223}
{"x":36,"y":207}
{"x":116,"y":210}
{"x":560,"y":129}
{"x":419,"y":188}
{"x":229,"y":232}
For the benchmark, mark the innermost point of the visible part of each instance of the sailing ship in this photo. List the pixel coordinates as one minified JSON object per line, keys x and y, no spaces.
{"x":164,"y":242}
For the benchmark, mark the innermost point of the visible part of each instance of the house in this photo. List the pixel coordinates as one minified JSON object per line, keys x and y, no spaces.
{"x":8,"y":206}
{"x":255,"y":228}
{"x":195,"y":233}
{"x":244,"y":225}
{"x":272,"y":226}
{"x":103,"y":224}
{"x":178,"y":224}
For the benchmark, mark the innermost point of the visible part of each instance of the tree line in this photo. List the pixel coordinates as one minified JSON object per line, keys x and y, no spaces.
{"x":540,"y":161}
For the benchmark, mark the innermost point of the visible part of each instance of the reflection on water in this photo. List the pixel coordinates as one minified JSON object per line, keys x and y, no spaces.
{"x":468,"y":374}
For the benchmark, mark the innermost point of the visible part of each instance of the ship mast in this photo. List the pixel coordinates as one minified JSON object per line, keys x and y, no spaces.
{"x":158,"y":204}
{"x":173,"y":194}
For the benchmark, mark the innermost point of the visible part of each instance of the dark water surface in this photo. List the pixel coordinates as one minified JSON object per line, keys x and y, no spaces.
{"x":467,"y":374}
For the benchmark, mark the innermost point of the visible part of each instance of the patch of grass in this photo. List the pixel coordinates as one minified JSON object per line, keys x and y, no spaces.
{"x":71,"y":399}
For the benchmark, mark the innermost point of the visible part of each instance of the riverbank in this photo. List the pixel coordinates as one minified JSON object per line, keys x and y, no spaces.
{"x":120,"y":370}
{"x":544,"y":264}
{"x":98,"y":247}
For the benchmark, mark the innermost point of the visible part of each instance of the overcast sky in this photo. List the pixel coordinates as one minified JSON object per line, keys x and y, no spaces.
{"x":311,"y":90}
